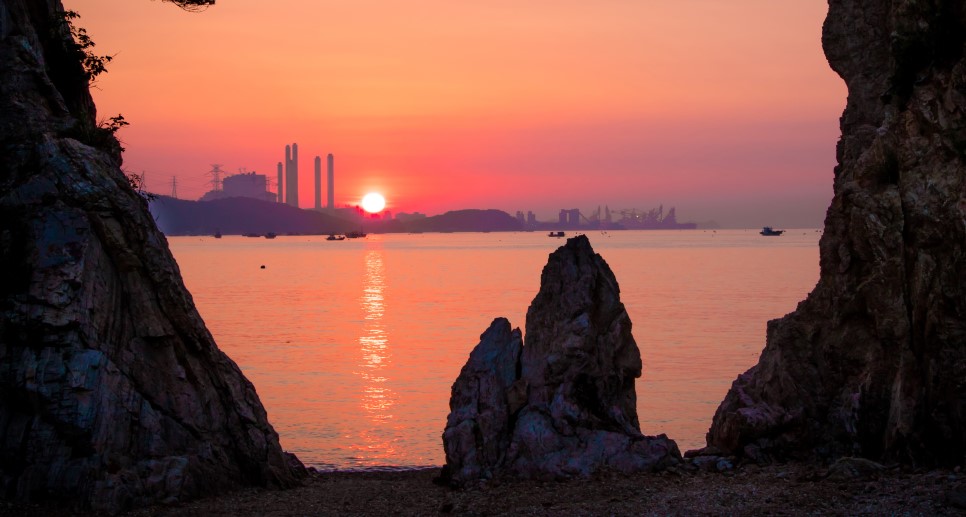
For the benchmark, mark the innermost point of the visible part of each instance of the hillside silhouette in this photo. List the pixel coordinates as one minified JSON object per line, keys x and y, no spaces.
{"x":239,"y":215}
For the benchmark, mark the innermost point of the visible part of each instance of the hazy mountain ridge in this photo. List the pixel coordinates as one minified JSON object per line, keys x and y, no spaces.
{"x":469,"y":220}
{"x":238,"y":215}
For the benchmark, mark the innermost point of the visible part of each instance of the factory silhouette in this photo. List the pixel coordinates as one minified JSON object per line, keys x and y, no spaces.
{"x":288,"y":174}
{"x":244,"y":203}
{"x":256,"y":186}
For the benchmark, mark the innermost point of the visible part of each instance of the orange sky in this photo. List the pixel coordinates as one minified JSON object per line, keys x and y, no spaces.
{"x":727,"y":110}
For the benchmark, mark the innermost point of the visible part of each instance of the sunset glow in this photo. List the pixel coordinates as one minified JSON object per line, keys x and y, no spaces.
{"x":728,"y":111}
{"x":373,"y":202}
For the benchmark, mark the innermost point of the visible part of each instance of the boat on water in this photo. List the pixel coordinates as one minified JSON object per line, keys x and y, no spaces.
{"x":334,"y":237}
{"x":271,"y":235}
{"x":555,"y":234}
{"x":355,"y":235}
{"x":768,"y":231}
{"x":217,"y":234}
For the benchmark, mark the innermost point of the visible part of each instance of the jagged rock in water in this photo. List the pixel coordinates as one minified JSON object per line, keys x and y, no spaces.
{"x":873,"y":362}
{"x":570,"y":406}
{"x":477,"y":429}
{"x":113,"y":392}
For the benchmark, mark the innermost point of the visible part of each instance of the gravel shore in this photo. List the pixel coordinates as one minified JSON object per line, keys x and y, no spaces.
{"x":749,"y":490}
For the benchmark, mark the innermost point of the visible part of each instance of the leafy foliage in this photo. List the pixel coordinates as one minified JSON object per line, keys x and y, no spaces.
{"x":101,"y":135}
{"x":192,"y":5}
{"x":113,"y":124}
{"x":94,"y":65}
{"x":137,"y":183}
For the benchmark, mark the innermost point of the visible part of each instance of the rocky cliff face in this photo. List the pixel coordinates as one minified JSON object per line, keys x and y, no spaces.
{"x":873,"y":362}
{"x":563,"y":404}
{"x":112,"y":391}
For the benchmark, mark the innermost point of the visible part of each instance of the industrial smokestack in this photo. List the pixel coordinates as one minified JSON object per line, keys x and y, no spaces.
{"x":288,"y":173}
{"x":278,"y":186}
{"x":318,"y":183}
{"x":330,"y":167}
{"x":292,"y":178}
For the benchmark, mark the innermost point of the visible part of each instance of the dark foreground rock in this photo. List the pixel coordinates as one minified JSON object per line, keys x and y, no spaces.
{"x":112,"y":391}
{"x":873,"y":362}
{"x":563,"y":405}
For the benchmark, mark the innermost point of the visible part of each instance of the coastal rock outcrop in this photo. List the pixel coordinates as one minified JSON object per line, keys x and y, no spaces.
{"x":561,"y":403}
{"x":484,"y":399}
{"x":112,"y":392}
{"x":873,"y":362}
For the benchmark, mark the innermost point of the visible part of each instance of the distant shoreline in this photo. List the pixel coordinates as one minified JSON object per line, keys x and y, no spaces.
{"x":240,"y":216}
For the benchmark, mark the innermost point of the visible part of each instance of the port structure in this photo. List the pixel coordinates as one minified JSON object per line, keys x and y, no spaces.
{"x":630,"y":219}
{"x":574,"y":218}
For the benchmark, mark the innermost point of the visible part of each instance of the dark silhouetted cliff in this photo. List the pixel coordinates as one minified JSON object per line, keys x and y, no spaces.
{"x":873,"y":362}
{"x":112,"y":391}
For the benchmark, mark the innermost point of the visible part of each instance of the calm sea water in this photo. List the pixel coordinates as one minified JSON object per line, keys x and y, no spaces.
{"x":353,"y":345}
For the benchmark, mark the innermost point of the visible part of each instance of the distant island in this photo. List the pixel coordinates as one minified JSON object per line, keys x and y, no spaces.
{"x":246,"y":215}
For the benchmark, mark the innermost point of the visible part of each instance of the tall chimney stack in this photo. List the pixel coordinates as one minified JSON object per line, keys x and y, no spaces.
{"x":278,"y":186}
{"x":288,"y":171}
{"x":318,"y":183}
{"x":292,"y":177}
{"x":330,"y":167}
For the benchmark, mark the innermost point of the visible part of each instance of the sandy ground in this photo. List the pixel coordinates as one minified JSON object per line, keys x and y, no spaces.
{"x":750,"y":490}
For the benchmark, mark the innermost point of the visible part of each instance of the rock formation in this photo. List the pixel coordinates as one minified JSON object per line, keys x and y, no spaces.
{"x":873,"y":362}
{"x":112,"y":391}
{"x":484,"y":399}
{"x":563,"y":404}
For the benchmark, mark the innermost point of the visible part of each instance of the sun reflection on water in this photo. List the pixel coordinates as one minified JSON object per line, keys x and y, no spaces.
{"x":354,"y":350}
{"x":377,"y":397}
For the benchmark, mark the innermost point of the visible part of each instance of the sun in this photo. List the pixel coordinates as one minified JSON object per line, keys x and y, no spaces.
{"x":373,"y":202}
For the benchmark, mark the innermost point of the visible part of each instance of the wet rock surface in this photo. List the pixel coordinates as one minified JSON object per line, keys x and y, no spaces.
{"x":112,"y":392}
{"x":873,"y":362}
{"x":566,"y":406}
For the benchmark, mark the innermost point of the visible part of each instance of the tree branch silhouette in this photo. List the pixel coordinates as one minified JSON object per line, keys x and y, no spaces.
{"x":192,"y":5}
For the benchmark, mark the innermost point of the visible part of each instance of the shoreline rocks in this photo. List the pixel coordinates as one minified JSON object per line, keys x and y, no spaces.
{"x":872,"y":363}
{"x":562,"y":404}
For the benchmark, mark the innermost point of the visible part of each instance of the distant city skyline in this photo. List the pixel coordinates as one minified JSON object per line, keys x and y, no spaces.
{"x":727,"y":111}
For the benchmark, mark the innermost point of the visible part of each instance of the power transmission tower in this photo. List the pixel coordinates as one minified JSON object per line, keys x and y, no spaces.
{"x":174,"y":187}
{"x":215,"y":174}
